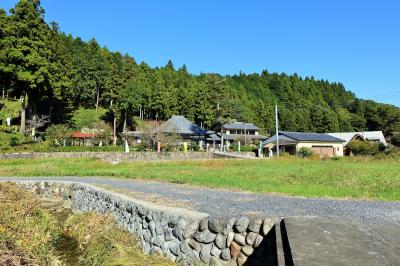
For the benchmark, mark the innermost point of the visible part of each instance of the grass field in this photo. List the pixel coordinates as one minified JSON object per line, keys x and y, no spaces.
{"x":360,"y":178}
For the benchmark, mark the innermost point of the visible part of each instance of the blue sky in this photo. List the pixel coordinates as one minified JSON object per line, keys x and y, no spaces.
{"x":355,"y":42}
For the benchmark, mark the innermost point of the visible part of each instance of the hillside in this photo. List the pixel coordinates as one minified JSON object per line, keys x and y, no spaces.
{"x":57,"y":74}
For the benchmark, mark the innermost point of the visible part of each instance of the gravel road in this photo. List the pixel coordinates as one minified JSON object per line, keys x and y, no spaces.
{"x":224,"y":203}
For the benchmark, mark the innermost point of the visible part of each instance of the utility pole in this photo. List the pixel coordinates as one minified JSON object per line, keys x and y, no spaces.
{"x":277,"y":130}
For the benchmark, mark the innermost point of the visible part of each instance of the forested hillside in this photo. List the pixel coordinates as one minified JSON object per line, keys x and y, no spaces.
{"x":54,"y":74}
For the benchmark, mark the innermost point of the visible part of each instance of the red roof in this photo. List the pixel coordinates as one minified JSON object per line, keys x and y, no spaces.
{"x":83,"y":135}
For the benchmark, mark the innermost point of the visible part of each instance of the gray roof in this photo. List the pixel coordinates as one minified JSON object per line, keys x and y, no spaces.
{"x":283,"y":140}
{"x":239,"y":136}
{"x":307,"y":136}
{"x":180,"y":125}
{"x":240,"y":125}
{"x":213,"y":137}
{"x":368,"y":135}
{"x":288,"y":137}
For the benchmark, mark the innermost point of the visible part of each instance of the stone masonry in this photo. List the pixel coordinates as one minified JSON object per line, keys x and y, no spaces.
{"x":112,"y":156}
{"x":184,"y":236}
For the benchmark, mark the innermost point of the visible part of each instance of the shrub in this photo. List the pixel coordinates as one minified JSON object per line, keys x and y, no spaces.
{"x":104,"y":131}
{"x":392,"y":151}
{"x":304,"y":152}
{"x":11,"y":140}
{"x":315,"y":157}
{"x":396,"y":139}
{"x":335,"y":158}
{"x":284,"y":154}
{"x":58,"y":134}
{"x":366,"y":147}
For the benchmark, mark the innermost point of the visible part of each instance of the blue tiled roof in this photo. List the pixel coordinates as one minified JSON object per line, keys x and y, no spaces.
{"x":306,"y":136}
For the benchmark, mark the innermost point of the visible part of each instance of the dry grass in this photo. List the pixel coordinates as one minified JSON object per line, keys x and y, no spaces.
{"x":26,"y":231}
{"x":31,"y":235}
{"x":102,"y":243}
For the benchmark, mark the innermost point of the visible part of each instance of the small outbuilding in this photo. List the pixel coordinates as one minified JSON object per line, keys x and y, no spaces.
{"x":348,"y":137}
{"x":82,"y":139}
{"x":320,"y":143}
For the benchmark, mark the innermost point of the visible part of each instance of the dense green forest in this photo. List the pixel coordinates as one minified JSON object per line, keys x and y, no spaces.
{"x":54,"y":74}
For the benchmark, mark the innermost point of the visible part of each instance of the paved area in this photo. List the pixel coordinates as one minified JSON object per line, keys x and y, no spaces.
{"x":224,"y":203}
{"x":315,"y":231}
{"x":313,"y":241}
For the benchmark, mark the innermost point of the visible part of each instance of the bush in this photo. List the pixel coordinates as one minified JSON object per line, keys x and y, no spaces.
{"x":284,"y":154}
{"x":104,"y":132}
{"x":396,"y":139}
{"x":8,"y":140}
{"x":366,"y":147}
{"x":58,"y":134}
{"x":304,"y":152}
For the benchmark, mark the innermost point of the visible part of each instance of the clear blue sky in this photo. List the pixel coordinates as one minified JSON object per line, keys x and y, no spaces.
{"x":355,"y":42}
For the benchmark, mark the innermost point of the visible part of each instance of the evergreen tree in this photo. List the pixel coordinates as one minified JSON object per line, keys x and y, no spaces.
{"x":28,"y":56}
{"x":55,"y":74}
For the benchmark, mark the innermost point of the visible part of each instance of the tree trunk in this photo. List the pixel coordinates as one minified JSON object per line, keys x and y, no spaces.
{"x":23,"y":112}
{"x":115,"y":131}
{"x":158,"y":147}
{"x":97,"y":98}
{"x":34,"y":114}
{"x":124,"y":128}
{"x":4,"y":92}
{"x":50,"y":111}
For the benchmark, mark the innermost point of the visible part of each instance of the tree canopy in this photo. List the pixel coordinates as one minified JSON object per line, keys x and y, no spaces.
{"x":57,"y":74}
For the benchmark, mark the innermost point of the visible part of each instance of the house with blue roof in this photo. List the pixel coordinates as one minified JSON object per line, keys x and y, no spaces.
{"x":320,"y":143}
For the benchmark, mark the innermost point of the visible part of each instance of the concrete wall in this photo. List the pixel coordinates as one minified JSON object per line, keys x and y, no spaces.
{"x":112,"y":156}
{"x":186,"y":237}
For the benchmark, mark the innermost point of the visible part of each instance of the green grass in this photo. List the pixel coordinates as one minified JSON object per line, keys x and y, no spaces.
{"x":87,"y":117}
{"x":345,"y":178}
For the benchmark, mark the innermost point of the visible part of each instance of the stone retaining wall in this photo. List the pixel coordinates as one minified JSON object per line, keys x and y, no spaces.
{"x":112,"y":156}
{"x":186,"y":237}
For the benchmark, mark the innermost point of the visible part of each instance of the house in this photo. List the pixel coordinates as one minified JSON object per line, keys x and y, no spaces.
{"x":181,"y":126}
{"x":175,"y":129}
{"x":348,"y":137}
{"x":320,"y":143}
{"x":247,"y":133}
